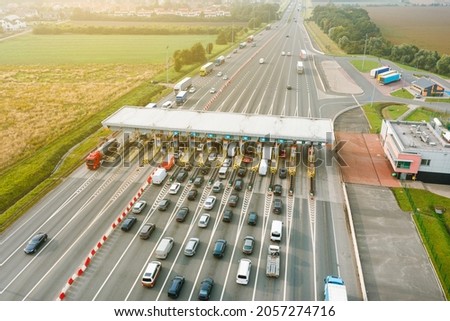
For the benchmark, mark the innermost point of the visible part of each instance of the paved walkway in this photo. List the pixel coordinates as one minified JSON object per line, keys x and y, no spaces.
{"x":365,"y":160}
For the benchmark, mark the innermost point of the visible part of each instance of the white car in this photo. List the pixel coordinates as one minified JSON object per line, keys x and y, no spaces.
{"x":225,"y":77}
{"x":212,"y":157}
{"x":212,"y":90}
{"x":167,"y":104}
{"x":283,"y":53}
{"x":204,"y":220}
{"x":219,"y":74}
{"x":227,"y":162}
{"x":289,"y":53}
{"x":191,"y":246}
{"x":192,"y":89}
{"x":174,"y":188}
{"x":209,"y":203}
{"x":139,"y":206}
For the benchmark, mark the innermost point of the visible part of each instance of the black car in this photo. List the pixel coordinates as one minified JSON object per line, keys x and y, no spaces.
{"x":234,"y":199}
{"x":277,"y":189}
{"x":205,"y":169}
{"x":252,"y":218}
{"x":242,"y":172}
{"x":277,"y":206}
{"x":35,"y":243}
{"x":175,"y":287}
{"x":164,"y":204}
{"x":198,"y":181}
{"x":128,"y":223}
{"x":205,"y":289}
{"x":227,"y":216}
{"x":238,"y":184}
{"x":181,"y":176}
{"x":282,"y":173}
{"x":192,"y":195}
{"x":182,"y":213}
{"x":219,"y":248}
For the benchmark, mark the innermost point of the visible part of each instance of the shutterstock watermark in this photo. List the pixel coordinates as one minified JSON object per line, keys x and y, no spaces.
{"x":190,"y":150}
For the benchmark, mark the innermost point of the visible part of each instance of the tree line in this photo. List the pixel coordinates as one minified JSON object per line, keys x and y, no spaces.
{"x":353,"y":31}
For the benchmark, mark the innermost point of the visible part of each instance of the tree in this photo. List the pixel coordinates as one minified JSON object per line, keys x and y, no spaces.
{"x":443,"y":65}
{"x":209,"y":48}
{"x":198,"y":53}
{"x":177,"y":64}
{"x":221,"y":38}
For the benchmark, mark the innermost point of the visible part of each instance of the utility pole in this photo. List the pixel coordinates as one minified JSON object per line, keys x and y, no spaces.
{"x":364,"y":59}
{"x":167,"y":64}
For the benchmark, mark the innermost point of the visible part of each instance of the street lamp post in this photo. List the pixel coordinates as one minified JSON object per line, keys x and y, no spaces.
{"x":364,"y":59}
{"x":167,"y":64}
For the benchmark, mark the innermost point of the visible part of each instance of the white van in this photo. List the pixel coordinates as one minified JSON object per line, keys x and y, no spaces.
{"x":263,"y":166}
{"x":164,"y":248}
{"x":223,"y":172}
{"x":276,"y":231}
{"x":243,"y":273}
{"x":151,"y":273}
{"x":159,"y":175}
{"x":151,"y":105}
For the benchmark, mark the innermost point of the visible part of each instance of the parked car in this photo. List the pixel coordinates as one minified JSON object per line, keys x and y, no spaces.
{"x":242,"y":171}
{"x":192,"y":195}
{"x":249,"y":243}
{"x":227,"y":216}
{"x":219,"y":248}
{"x":282,"y":173}
{"x":233,"y":201}
{"x":182,"y":213}
{"x":175,"y":287}
{"x":163,"y":204}
{"x":217,"y":187}
{"x":128,"y":223}
{"x":174,"y":188}
{"x":146,"y":230}
{"x":205,"y":289}
{"x":238,"y":184}
{"x":181,"y":176}
{"x":252,"y":218}
{"x":277,"y":206}
{"x":204,"y":220}
{"x":139,"y":206}
{"x":199,"y":181}
{"x":277,"y":189}
{"x":212,"y":157}
{"x":209,"y":202}
{"x":35,"y":243}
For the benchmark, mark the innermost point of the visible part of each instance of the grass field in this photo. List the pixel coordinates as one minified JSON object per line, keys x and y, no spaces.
{"x":95,"y":49}
{"x":325,"y":44}
{"x":425,"y":27}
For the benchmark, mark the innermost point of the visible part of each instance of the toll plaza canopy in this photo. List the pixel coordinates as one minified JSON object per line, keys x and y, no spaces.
{"x":222,"y":125}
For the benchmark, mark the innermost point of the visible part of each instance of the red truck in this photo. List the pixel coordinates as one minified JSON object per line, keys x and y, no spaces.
{"x":168,"y":162}
{"x":95,"y":158}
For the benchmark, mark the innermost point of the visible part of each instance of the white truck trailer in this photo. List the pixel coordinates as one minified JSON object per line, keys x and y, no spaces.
{"x":334,"y":289}
{"x":273,"y":261}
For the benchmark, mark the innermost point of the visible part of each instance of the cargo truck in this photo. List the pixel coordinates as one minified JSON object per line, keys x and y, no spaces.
{"x":182,"y":85}
{"x":300,"y":68}
{"x":109,"y":150}
{"x":273,"y":261}
{"x":385,"y":74}
{"x":376,"y":71}
{"x":181,"y":97}
{"x":219,"y":61}
{"x":334,"y":289}
{"x":303,"y":54}
{"x":206,"y":69}
{"x":168,"y":162}
{"x":159,"y":175}
{"x":390,"y":78}
{"x":250,"y":38}
{"x":242,"y":45}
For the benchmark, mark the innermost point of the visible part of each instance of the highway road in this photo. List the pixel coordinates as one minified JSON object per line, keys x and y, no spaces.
{"x":78,"y":212}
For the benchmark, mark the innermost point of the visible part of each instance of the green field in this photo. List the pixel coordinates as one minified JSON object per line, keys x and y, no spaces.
{"x":96,"y":49}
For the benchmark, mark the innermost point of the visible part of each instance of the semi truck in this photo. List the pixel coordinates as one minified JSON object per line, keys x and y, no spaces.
{"x":182,"y":85}
{"x":273,"y":261}
{"x":109,"y":150}
{"x":385,"y":74}
{"x":334,"y":289}
{"x":390,"y":78}
{"x":300,"y":68}
{"x":376,"y":71}
{"x":181,"y":97}
{"x":206,"y":69}
{"x":219,"y":60}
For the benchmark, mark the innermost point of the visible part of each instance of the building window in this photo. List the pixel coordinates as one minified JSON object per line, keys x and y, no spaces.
{"x":425,"y":162}
{"x":404,"y":165}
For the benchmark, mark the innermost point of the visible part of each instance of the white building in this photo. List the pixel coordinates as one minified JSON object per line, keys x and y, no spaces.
{"x":418,"y":150}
